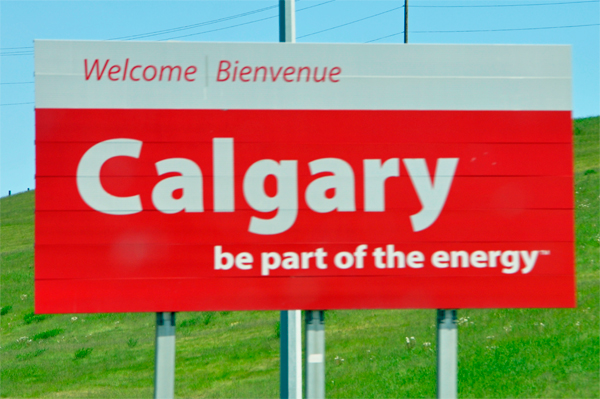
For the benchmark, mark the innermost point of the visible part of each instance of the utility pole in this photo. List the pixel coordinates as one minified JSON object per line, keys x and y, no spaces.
{"x":405,"y":21}
{"x":287,"y":21}
{"x":290,"y":321}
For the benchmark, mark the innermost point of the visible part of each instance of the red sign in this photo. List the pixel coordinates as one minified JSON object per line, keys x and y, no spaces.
{"x":241,"y":209}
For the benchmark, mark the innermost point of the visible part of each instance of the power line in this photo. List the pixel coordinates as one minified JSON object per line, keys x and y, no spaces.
{"x":180,"y":28}
{"x":503,"y":30}
{"x":487,"y":5}
{"x":218,"y":29}
{"x":4,"y":105}
{"x":483,"y":30}
{"x":15,"y":48}
{"x":245,"y":23}
{"x":13,"y":53}
{"x":385,"y":37}
{"x":186,"y":27}
{"x":160,"y":32}
{"x":16,"y":83}
{"x":210,"y":22}
{"x":352,"y":22}
{"x":505,"y":5}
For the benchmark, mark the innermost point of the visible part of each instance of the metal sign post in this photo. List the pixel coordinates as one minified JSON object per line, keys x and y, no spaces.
{"x":164,"y":359}
{"x":290,"y":382}
{"x":290,"y":367}
{"x":447,"y":354}
{"x":315,"y":354}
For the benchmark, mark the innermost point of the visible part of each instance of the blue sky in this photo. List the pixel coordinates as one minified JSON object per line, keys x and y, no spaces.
{"x":573,"y":22}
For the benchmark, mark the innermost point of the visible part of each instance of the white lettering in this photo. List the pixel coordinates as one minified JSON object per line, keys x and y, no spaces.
{"x":511,"y":261}
{"x":290,"y":261}
{"x":342,"y":181}
{"x":190,"y":182}
{"x":320,"y":255}
{"x":243,"y":261}
{"x":440,"y":259}
{"x":529,"y":260}
{"x":333,"y":189}
{"x":455,"y":256}
{"x":375,"y":177}
{"x":378,"y":254}
{"x":432,"y":196}
{"x":88,"y":177}
{"x":359,"y":255}
{"x":285,"y":201}
{"x":223,"y":175}
{"x":392,"y":255}
{"x":415,"y":259}
{"x":269,"y":261}
{"x":479,"y":259}
{"x":343,"y":260}
{"x":219,"y":256}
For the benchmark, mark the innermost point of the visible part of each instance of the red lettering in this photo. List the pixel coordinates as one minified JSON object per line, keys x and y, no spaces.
{"x":288,"y":71}
{"x":190,"y":71}
{"x":170,"y":68}
{"x":332,"y":73}
{"x":307,"y":69}
{"x":264,"y":73}
{"x":114,"y":70}
{"x":153,"y":76}
{"x":95,"y":66}
{"x":226,"y":70}
{"x":289,"y":74}
{"x":125,"y":69}
{"x":274,"y":76}
{"x":234,"y":71}
{"x":245,"y":71}
{"x":322,"y":77}
{"x":131,"y":73}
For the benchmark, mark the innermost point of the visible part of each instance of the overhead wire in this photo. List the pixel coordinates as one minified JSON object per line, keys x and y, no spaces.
{"x":484,"y":30}
{"x":351,"y":22}
{"x":22,"y":52}
{"x":218,"y":29}
{"x":503,"y":30}
{"x":244,"y":23}
{"x":503,"y":5}
{"x":185,"y":27}
{"x":223,"y":19}
{"x":154,"y":33}
{"x":4,"y":105}
{"x":445,"y":6}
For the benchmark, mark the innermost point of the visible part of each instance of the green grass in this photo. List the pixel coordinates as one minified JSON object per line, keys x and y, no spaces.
{"x":520,"y":353}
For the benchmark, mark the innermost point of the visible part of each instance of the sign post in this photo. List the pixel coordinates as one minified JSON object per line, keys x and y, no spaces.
{"x":290,"y":366}
{"x":315,"y":354}
{"x":447,"y":354}
{"x":164,"y":358}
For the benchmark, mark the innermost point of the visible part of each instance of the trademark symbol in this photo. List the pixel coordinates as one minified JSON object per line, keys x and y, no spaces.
{"x":545,"y":252}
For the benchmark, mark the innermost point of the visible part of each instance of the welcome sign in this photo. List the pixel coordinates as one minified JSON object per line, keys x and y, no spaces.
{"x":228,"y":176}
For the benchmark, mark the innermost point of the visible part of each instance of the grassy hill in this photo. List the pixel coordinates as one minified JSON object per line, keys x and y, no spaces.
{"x":525,"y":353}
